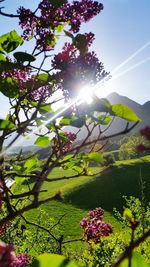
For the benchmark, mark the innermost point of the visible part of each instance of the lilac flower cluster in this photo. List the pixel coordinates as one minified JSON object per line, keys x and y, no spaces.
{"x":43,"y":27}
{"x":63,"y":144}
{"x":76,"y":70}
{"x":146,"y":133}
{"x":21,"y":76}
{"x":26,"y":82}
{"x":3,"y":228}
{"x":89,"y":38}
{"x":94,"y":226}
{"x":21,"y":260}
{"x":71,"y":136}
{"x":9,"y":259}
{"x":68,"y":145}
{"x":41,"y":92}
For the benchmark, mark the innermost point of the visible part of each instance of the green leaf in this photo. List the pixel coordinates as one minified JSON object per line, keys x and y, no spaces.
{"x":59,"y":27}
{"x":77,"y":122}
{"x":9,"y":87}
{"x":95,"y":156}
{"x":10,"y":41}
{"x":58,"y":3}
{"x":23,"y":56}
{"x":2,"y":58}
{"x":65,"y":121}
{"x":46,"y":108}
{"x":127,"y":214}
{"x":6,"y":124}
{"x":103,"y":120}
{"x":81,"y":43}
{"x":52,"y":40}
{"x":54,"y":260}
{"x":43,"y":77}
{"x":69,"y":34}
{"x":67,"y":157}
{"x":17,"y":167}
{"x":42,"y":141}
{"x":19,"y":180}
{"x":124,"y":112}
{"x":137,"y":261}
{"x":31,"y":163}
{"x":77,"y":169}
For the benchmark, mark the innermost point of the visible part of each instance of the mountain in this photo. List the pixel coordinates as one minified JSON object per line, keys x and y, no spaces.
{"x":146,"y":106}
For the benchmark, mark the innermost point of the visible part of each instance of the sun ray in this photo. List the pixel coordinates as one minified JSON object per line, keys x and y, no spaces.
{"x":80,"y":99}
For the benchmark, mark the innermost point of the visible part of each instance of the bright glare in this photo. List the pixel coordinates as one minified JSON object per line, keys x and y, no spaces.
{"x":86,"y":94}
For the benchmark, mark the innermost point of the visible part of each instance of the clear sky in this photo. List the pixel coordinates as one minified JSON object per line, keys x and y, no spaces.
{"x":121,"y":29}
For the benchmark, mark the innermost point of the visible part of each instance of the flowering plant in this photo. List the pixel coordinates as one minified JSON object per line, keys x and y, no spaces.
{"x":94,"y":226}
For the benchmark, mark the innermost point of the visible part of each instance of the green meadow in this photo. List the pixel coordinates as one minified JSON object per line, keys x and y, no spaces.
{"x":105,"y":189}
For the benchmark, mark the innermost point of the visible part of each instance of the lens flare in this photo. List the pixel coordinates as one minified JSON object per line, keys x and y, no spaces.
{"x":86,"y":94}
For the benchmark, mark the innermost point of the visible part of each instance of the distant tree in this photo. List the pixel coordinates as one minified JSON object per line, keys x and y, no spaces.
{"x":128,"y":148}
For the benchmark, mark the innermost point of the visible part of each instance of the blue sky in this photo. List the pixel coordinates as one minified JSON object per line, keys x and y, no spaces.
{"x":120,"y":30}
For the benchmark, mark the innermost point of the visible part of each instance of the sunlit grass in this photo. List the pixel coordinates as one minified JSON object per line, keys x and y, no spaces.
{"x":85,"y":193}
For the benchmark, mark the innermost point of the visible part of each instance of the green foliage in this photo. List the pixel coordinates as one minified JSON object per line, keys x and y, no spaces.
{"x":32,"y":239}
{"x":23,"y":57}
{"x":6,"y":124}
{"x":103,"y":119}
{"x":124,"y":112}
{"x":58,"y":3}
{"x":127,"y":214}
{"x":31,"y":164}
{"x":95,"y":156}
{"x":10,"y":41}
{"x":74,"y":121}
{"x":136,"y":261}
{"x":128,"y":147}
{"x":42,"y":141}
{"x":43,"y":77}
{"x":81,"y":43}
{"x":109,"y":159}
{"x":2,"y":58}
{"x":136,"y":209}
{"x":45,"y":108}
{"x":45,"y":260}
{"x":9,"y":87}
{"x":104,"y":253}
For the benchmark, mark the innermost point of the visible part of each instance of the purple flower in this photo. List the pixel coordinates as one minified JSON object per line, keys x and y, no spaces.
{"x":94,"y":226}
{"x":21,"y":260}
{"x":7,"y":255}
{"x":84,"y":222}
{"x":91,"y":214}
{"x":44,"y":26}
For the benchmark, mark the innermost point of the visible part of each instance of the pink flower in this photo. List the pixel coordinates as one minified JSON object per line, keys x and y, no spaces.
{"x":94,"y":226}
{"x":21,"y":260}
{"x":83,"y":222}
{"x":7,"y":255}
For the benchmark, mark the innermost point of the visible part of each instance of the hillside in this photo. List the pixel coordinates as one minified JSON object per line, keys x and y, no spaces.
{"x":105,"y":189}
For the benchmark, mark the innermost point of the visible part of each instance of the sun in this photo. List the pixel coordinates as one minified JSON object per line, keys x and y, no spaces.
{"x":86,"y":94}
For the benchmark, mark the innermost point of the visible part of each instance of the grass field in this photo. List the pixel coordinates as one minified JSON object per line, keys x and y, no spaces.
{"x":105,"y":189}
